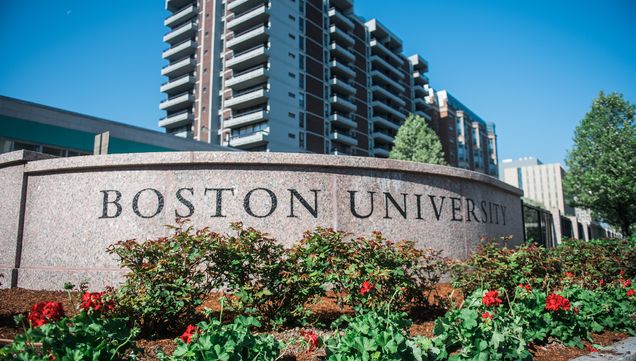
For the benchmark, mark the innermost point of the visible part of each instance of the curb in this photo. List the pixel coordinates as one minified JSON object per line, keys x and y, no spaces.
{"x":621,"y":351}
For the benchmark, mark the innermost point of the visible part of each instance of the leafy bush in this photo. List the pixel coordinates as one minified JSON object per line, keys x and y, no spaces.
{"x":230,"y":342}
{"x":494,"y":267}
{"x":596,"y":260}
{"x":377,"y":336}
{"x":168,"y":278}
{"x":327,"y":258}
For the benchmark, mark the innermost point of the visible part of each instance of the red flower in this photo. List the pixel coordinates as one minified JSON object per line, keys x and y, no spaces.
{"x":491,"y":298}
{"x":190,"y":331}
{"x":556,"y":302}
{"x":366,"y":288}
{"x":312,"y":339}
{"x":94,"y":301}
{"x":486,"y":316}
{"x":44,"y":312}
{"x":576,"y":310}
{"x":601,"y":283}
{"x":631,"y":293}
{"x":569,"y":274}
{"x":526,"y":287}
{"x":622,"y":273}
{"x":626,"y":283}
{"x":590,"y":348}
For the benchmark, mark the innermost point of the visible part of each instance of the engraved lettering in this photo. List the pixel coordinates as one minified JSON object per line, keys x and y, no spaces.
{"x":185,"y":202}
{"x":115,"y":202}
{"x":294,"y":194}
{"x":248,"y":207}
{"x":135,"y":203}
{"x":352,"y":204}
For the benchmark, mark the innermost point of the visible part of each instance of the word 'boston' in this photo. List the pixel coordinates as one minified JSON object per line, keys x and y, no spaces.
{"x":362,"y":204}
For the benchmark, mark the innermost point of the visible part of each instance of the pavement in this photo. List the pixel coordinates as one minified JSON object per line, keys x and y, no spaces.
{"x":621,"y":351}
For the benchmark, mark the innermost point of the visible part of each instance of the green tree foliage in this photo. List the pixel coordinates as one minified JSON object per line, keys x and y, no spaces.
{"x":417,"y":142}
{"x":602,"y":162}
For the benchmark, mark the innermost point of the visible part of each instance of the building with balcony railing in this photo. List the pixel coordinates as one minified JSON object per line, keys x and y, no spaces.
{"x":303,"y":76}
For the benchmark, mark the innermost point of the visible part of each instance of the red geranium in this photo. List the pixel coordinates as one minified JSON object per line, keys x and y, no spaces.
{"x":569,"y":274}
{"x":601,"y":283}
{"x":190,"y":331}
{"x":556,"y":302}
{"x":44,"y":312}
{"x":631,"y":293}
{"x":526,"y":287}
{"x":95,"y":301}
{"x":626,"y":283}
{"x":486,"y":316}
{"x":312,"y":339}
{"x":366,"y":288}
{"x":491,"y":298}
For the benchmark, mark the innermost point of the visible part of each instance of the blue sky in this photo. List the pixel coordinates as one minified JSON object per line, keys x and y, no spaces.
{"x":532,"y":67}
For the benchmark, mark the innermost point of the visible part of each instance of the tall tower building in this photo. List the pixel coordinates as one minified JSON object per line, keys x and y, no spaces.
{"x":294,"y":76}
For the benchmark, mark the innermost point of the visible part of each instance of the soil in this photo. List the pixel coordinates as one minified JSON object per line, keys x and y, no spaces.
{"x":19,"y":301}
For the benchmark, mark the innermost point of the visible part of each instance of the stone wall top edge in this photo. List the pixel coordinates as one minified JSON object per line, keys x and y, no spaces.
{"x":21,"y":157}
{"x":142,"y":160}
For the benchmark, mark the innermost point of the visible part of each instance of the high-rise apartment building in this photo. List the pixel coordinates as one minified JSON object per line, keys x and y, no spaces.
{"x":303,"y":76}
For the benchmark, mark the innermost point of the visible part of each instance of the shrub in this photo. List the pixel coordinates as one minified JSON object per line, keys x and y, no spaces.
{"x":377,"y":336}
{"x":398,"y":271}
{"x":168,"y":277}
{"x":599,"y":259}
{"x":494,"y":267}
{"x":230,"y":342}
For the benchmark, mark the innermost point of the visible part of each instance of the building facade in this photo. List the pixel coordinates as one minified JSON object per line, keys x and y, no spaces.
{"x":36,"y":127}
{"x":543,"y":184}
{"x":302,"y":76}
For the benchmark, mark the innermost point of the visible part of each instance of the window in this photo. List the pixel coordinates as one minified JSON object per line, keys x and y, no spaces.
{"x":301,"y":120}
{"x":292,"y":75}
{"x":291,"y":115}
{"x":291,"y":95}
{"x":292,"y":55}
{"x":292,"y":17}
{"x":291,"y":135}
{"x":301,"y":140}
{"x":292,"y":36}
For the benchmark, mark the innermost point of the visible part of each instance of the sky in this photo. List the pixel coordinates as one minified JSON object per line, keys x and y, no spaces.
{"x":531,"y":67}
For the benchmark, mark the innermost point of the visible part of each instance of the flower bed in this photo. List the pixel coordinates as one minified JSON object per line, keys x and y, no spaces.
{"x":337,"y":296}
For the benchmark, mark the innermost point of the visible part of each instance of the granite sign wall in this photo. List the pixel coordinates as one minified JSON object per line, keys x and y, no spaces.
{"x":63,"y":213}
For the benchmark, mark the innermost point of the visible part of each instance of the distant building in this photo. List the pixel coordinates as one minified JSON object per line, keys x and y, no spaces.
{"x":304,"y":76}
{"x":40,"y":128}
{"x":543,"y":184}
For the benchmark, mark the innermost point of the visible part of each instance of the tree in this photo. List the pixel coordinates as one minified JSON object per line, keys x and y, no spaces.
{"x":416,"y":141}
{"x":602,"y":162}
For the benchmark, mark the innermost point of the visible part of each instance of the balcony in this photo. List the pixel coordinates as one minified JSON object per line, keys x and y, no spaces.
{"x":241,"y":6}
{"x":420,"y":78}
{"x":248,"y":19}
{"x":423,"y":115}
{"x":248,"y":38}
{"x":338,"y":136}
{"x":247,"y":118}
{"x":249,"y":57}
{"x":338,"y":34}
{"x":342,"y":52}
{"x":379,"y":62}
{"x":248,"y":78}
{"x":178,"y":85}
{"x":340,"y":19}
{"x":388,"y":109}
{"x":420,"y":91}
{"x":180,"y":50}
{"x":381,"y":137}
{"x":177,"y":119}
{"x":342,"y":86}
{"x":380,"y":78}
{"x":381,"y":152}
{"x":341,"y":69}
{"x":181,"y":33}
{"x":249,"y":140}
{"x":247,"y":98}
{"x":386,"y":94}
{"x":180,"y":16}
{"x":177,"y":102}
{"x":378,"y":48}
{"x":179,"y":67}
{"x":174,"y":5}
{"x":343,"y":121}
{"x":383,"y":122}
{"x":342,"y":104}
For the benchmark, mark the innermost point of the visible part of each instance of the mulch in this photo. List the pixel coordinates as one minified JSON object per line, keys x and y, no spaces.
{"x":19,"y":301}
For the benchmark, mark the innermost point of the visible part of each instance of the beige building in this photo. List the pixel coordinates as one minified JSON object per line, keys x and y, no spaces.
{"x":542,"y":183}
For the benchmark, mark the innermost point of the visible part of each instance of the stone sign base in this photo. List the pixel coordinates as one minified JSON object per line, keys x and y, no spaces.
{"x":59,"y":215}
